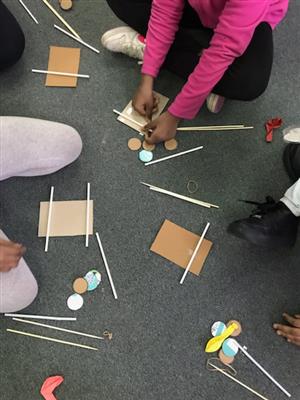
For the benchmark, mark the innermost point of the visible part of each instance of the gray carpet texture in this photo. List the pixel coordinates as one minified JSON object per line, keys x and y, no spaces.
{"x":159,"y":327}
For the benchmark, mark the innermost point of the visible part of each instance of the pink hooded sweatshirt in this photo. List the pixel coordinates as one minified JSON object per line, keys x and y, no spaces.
{"x":233,"y":22}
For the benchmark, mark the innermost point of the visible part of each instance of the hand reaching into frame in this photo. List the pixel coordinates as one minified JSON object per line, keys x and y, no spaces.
{"x":290,"y":332}
{"x":10,"y":254}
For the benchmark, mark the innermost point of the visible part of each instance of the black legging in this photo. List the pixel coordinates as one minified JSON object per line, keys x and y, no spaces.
{"x":246,"y":78}
{"x":12,"y":41}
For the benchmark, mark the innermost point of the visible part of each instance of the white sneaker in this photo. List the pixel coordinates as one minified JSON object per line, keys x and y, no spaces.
{"x":215,"y":103}
{"x":124,"y":40}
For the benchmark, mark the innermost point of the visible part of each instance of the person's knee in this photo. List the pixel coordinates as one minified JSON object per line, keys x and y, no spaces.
{"x":257,"y":75}
{"x":117,"y":6}
{"x":29,"y":292}
{"x":257,"y":83}
{"x":71,"y":145}
{"x":12,"y":47}
{"x":19,"y":291}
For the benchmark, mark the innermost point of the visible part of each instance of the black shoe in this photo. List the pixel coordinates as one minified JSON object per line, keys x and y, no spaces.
{"x":271,"y":225}
{"x":291,"y":161}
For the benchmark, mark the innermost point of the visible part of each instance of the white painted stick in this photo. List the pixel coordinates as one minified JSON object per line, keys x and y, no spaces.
{"x":49,"y":218}
{"x":41,"y":317}
{"x":58,"y":329}
{"x":215,"y":128}
{"x":186,"y":128}
{"x":77,"y":40}
{"x":61,"y":18}
{"x":263,"y":370}
{"x":106,"y":267}
{"x":174,"y":155}
{"x":127,"y":117}
{"x":28,"y":11}
{"x":237,"y":381}
{"x":179,"y":196}
{"x":41,"y":71}
{"x":194,"y":254}
{"x":87,"y":226}
{"x":83,"y":346}
{"x":130,"y":119}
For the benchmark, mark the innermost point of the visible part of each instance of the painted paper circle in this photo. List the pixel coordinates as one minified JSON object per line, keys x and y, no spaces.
{"x":147,"y":146}
{"x":93,"y":279}
{"x":80,"y":285}
{"x":134,"y":144}
{"x":75,"y":302}
{"x":218,"y":328}
{"x":238,"y":330}
{"x":225,"y":359}
{"x":171,"y":144}
{"x":230,"y":347}
{"x":145,"y":156}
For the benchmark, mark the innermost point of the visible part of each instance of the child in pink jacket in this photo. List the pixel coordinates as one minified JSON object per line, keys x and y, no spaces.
{"x":222,"y":48}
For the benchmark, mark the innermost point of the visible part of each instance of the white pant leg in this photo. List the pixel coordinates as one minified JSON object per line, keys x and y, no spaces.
{"x":292,"y":198}
{"x":18,"y":287}
{"x":30,"y":147}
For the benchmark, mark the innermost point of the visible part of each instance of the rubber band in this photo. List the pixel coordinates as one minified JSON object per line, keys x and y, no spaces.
{"x":211,"y":367}
{"x":192,"y":186}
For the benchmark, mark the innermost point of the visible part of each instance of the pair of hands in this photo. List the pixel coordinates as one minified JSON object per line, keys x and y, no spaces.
{"x":145,"y":103}
{"x":10,"y":254}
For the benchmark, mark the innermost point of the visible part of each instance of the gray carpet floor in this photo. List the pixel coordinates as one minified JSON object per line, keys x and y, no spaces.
{"x":159,"y":327}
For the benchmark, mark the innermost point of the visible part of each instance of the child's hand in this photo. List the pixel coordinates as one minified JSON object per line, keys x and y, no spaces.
{"x":161,"y":129}
{"x":144,"y":101}
{"x":291,"y":333}
{"x":10,"y":254}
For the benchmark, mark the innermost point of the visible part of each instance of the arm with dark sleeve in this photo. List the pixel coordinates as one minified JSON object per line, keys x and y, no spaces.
{"x":231,"y":38}
{"x":163,"y":25}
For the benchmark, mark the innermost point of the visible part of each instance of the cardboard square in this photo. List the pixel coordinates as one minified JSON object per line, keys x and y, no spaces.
{"x":63,"y":59}
{"x":176,"y":244}
{"x":68,"y":218}
{"x":128,"y":110}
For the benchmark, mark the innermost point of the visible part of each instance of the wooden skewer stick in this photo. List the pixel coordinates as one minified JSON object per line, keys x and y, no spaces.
{"x":41,"y":71}
{"x":174,"y":155}
{"x":194,"y":254}
{"x":179,"y":196}
{"x":215,"y":128}
{"x":87,"y":226}
{"x":61,"y":18}
{"x":75,"y":38}
{"x":41,"y":317}
{"x":192,"y":128}
{"x":58,"y":329}
{"x":243,"y":350}
{"x":237,"y":381}
{"x":49,"y":218}
{"x":83,"y":346}
{"x":106,"y":267}
{"x":28,"y":11}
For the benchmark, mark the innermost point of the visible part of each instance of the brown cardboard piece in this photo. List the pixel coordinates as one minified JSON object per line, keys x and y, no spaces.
{"x":68,"y":218}
{"x":63,"y":59}
{"x":176,"y":244}
{"x":128,"y":110}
